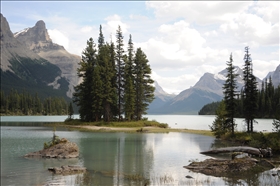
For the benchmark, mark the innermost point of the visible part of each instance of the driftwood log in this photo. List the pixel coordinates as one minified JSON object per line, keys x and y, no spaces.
{"x":250,"y":150}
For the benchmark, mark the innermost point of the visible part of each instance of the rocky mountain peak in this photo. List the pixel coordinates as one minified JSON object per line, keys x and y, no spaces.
{"x":275,"y":76}
{"x":159,"y":89}
{"x":5,"y":28}
{"x":41,"y":25}
{"x":11,"y":47}
{"x":35,"y":37}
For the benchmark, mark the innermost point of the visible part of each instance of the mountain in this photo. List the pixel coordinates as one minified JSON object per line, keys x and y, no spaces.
{"x":275,"y":76}
{"x":161,"y":97}
{"x":24,"y":70}
{"x":208,"y":89}
{"x":37,"y":40}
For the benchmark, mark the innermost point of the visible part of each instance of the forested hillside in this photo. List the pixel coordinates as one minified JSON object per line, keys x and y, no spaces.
{"x":15,"y":103}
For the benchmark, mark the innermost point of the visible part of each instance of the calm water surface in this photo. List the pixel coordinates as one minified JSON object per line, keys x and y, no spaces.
{"x":174,"y":121}
{"x":111,"y":158}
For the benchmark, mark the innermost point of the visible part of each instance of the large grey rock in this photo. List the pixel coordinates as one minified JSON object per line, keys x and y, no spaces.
{"x":64,"y":149}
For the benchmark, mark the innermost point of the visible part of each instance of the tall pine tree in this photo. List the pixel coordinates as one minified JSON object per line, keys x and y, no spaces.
{"x":120,"y":70}
{"x":143,"y":84}
{"x":129,"y":88}
{"x":250,"y":91}
{"x":107,"y":73}
{"x":230,"y":95}
{"x":83,"y":92}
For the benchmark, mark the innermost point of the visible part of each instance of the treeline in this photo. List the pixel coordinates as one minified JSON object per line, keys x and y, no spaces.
{"x":116,"y":82}
{"x":249,"y":103}
{"x":15,"y":103}
{"x":268,"y":103}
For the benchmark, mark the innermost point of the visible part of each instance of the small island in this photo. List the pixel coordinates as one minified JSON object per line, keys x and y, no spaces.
{"x":57,"y":148}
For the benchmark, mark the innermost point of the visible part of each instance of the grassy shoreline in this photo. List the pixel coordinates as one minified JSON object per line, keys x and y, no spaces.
{"x":126,"y":126}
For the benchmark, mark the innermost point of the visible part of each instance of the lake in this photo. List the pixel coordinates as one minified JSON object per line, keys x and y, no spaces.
{"x":114,"y":158}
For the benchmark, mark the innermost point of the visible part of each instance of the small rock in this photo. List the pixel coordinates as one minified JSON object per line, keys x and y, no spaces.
{"x":189,"y":177}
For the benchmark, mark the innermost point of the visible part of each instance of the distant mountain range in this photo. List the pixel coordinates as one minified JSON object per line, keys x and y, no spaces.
{"x":208,"y":89}
{"x":30,"y":61}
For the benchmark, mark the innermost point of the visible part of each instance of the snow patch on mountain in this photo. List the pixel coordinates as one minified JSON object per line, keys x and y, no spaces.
{"x":20,"y":32}
{"x":219,"y":77}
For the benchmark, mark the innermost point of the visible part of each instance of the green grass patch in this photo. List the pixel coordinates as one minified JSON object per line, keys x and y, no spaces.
{"x":126,"y":124}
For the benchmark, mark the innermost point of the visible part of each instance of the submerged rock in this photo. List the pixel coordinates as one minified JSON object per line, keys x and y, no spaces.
{"x":216,"y":167}
{"x":68,"y":169}
{"x":64,"y":149}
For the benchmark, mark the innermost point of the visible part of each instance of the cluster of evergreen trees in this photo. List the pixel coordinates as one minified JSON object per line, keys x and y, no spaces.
{"x":268,"y":103}
{"x":24,"y":103}
{"x":250,"y":103}
{"x":115,"y":82}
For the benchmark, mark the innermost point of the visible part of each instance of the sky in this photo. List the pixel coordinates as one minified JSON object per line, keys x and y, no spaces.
{"x":182,"y":39}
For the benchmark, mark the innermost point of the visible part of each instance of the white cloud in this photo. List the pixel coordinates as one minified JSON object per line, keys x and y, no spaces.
{"x":268,"y":10}
{"x":86,"y":29}
{"x":174,"y":85}
{"x":255,"y":29}
{"x":113,"y":22}
{"x":200,"y":12}
{"x":176,"y":46}
{"x":260,"y":65}
{"x":59,"y":38}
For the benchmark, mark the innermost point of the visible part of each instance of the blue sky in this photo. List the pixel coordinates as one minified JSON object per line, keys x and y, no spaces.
{"x":182,"y":39}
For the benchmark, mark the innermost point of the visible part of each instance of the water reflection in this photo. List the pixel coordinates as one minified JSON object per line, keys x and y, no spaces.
{"x":111,"y":158}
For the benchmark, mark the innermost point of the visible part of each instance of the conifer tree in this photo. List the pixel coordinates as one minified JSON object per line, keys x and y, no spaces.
{"x":143,"y":84}
{"x":129,"y":88}
{"x":83,"y":92}
{"x":112,"y":64}
{"x":101,"y":39}
{"x":219,"y":126}
{"x":250,"y":91}
{"x":230,"y":95}
{"x":120,"y":69}
{"x":97,"y":93}
{"x":107,"y":70}
{"x":70,"y":111}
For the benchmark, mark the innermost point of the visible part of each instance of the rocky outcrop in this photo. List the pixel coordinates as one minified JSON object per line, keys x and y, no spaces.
{"x":68,"y":169}
{"x":64,"y":149}
{"x":218,"y":168}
